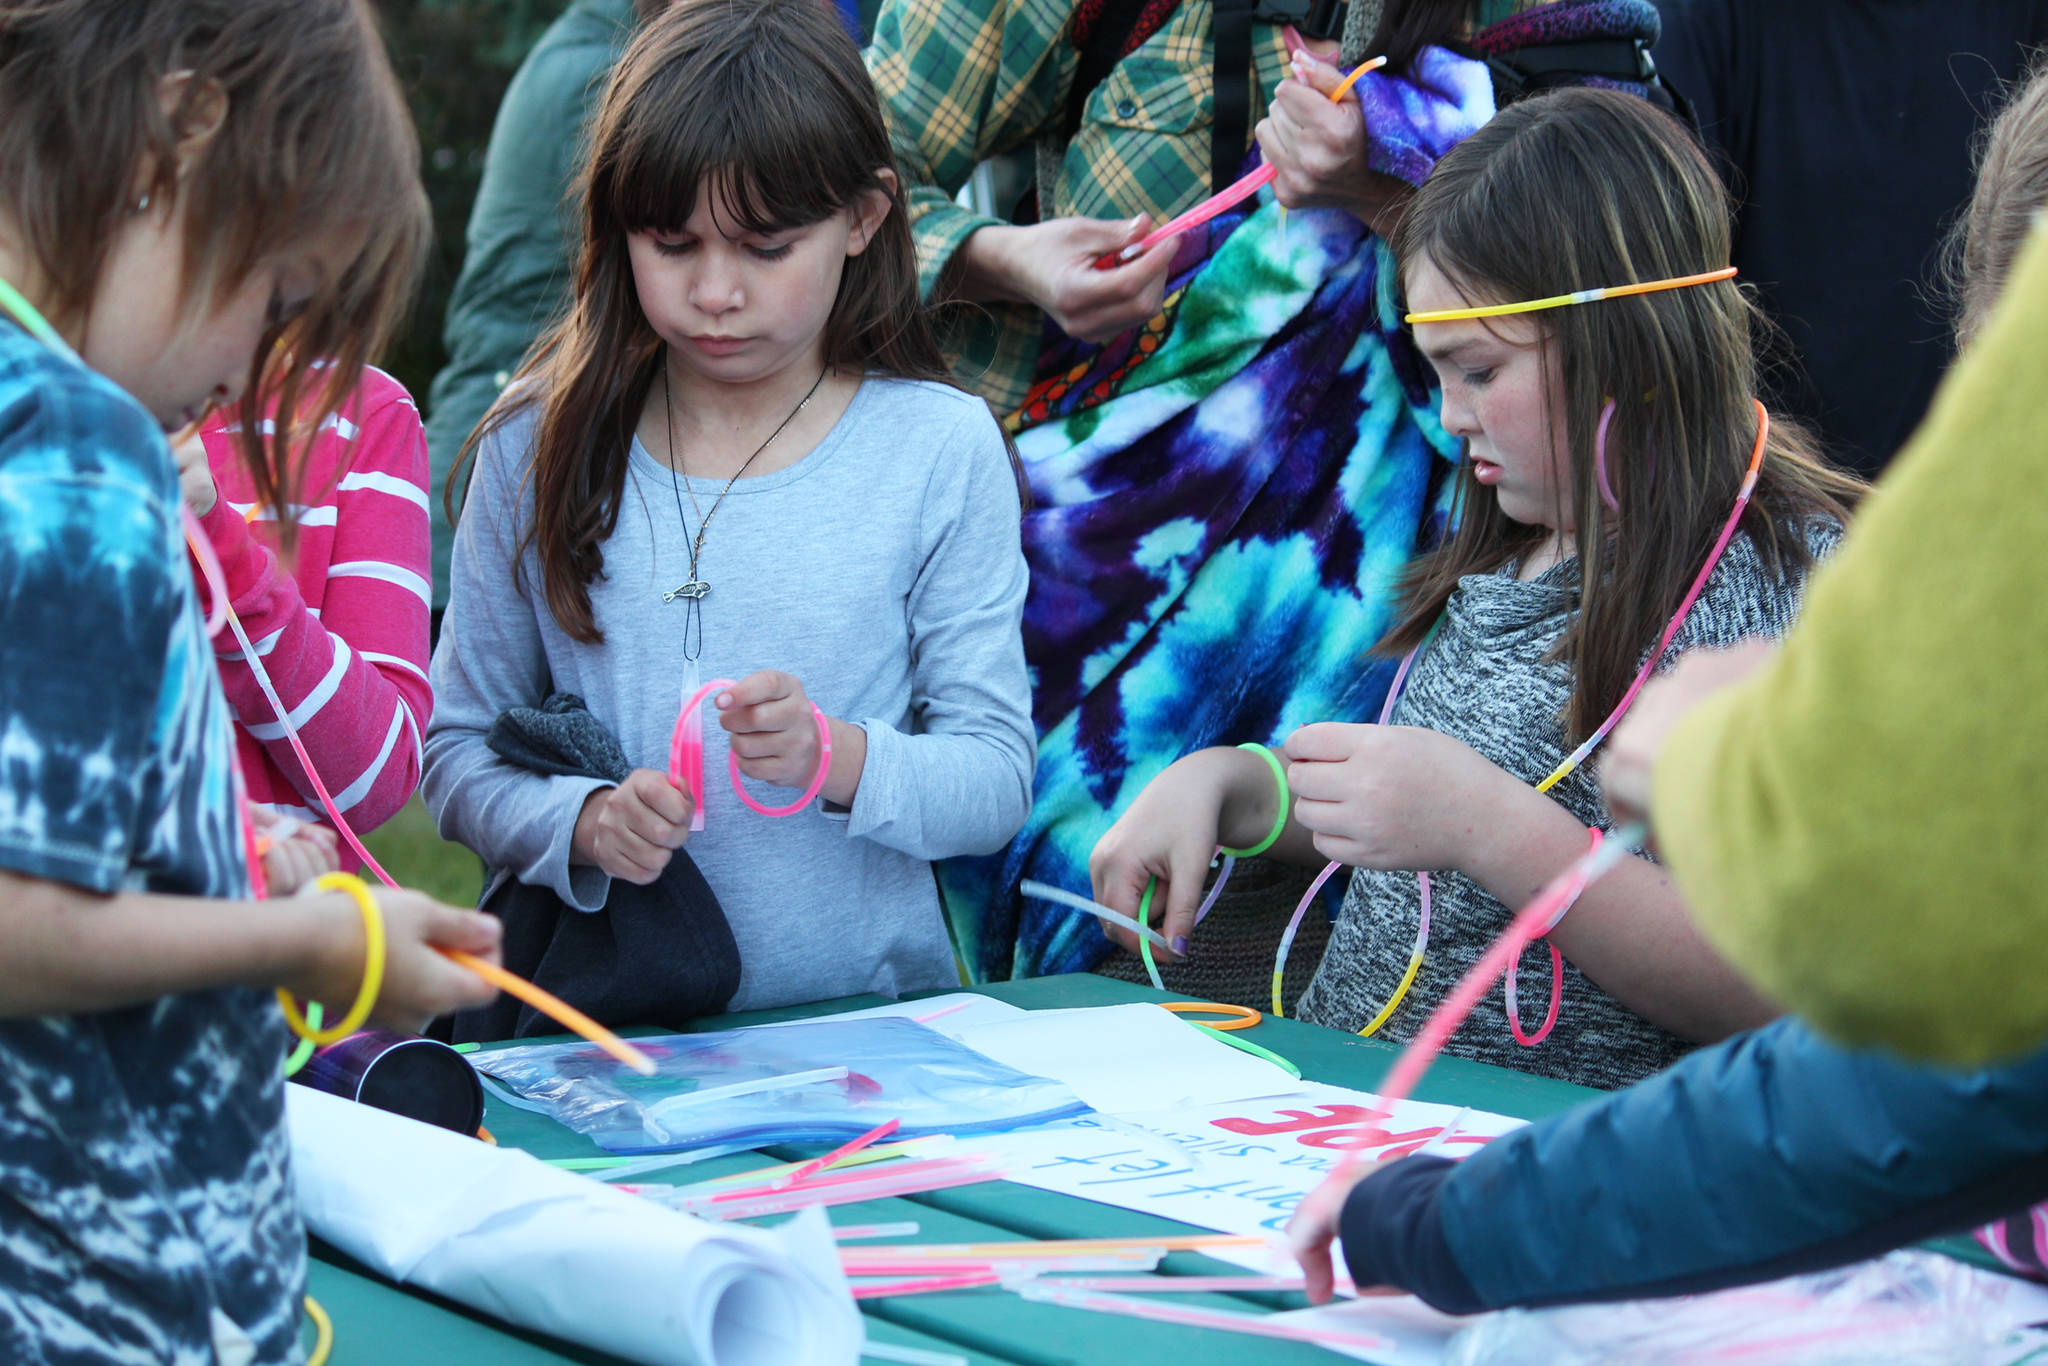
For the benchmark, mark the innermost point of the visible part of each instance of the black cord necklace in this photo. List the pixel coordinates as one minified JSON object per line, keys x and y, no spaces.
{"x":693,"y":591}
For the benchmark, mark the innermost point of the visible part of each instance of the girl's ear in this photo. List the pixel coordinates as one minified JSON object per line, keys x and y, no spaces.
{"x":197,"y":110}
{"x":870,"y":212}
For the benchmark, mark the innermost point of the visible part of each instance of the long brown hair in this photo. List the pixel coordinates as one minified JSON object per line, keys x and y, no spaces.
{"x":2012,"y":185}
{"x":1576,"y":189}
{"x":768,"y":100}
{"x":315,"y":145}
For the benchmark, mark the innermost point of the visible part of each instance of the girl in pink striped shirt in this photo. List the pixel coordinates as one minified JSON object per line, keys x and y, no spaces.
{"x":343,"y":635}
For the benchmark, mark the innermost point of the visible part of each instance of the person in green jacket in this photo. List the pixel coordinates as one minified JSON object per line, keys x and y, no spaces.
{"x":516,"y":268}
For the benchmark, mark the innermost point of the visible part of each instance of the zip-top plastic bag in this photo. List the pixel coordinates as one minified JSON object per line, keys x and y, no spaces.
{"x":746,"y":1088}
{"x":1907,"y":1309}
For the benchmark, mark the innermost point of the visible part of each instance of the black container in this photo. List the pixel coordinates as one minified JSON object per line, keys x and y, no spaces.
{"x":421,"y":1079}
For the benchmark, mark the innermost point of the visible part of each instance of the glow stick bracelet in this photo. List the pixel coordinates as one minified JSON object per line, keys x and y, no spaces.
{"x":543,"y":1001}
{"x":838,"y":1154}
{"x":1194,"y":1242}
{"x":1247,"y":1046}
{"x":972,"y":1280}
{"x":686,"y":771}
{"x":1579,"y":296}
{"x":1045,"y":891}
{"x":909,"y":1356}
{"x":853,"y":1233}
{"x":1253,"y":1325}
{"x":940,"y":1014}
{"x":210,"y":572}
{"x":1231,"y":195}
{"x":1144,"y":944}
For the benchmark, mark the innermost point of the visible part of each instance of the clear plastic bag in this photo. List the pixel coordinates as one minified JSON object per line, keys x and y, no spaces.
{"x":1907,"y":1309}
{"x":893,"y":1069}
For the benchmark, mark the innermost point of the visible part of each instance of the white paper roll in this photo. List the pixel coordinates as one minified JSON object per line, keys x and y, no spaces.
{"x":506,"y":1234}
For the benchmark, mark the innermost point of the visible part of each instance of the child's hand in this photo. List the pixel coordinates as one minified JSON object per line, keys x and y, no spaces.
{"x":195,"y":476}
{"x":1630,"y":763}
{"x":419,"y":981}
{"x":774,"y":735}
{"x":1169,"y":832}
{"x":296,"y":853}
{"x":632,"y":831}
{"x":1390,"y":796}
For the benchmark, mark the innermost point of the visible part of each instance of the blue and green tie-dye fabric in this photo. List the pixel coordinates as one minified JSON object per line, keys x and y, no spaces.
{"x":143,"y":1185}
{"x":1218,"y":530}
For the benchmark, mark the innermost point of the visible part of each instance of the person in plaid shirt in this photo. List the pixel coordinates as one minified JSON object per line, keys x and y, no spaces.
{"x":1231,"y":446}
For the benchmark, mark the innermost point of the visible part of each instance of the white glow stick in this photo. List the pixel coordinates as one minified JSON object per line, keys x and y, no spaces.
{"x":854,"y":1233}
{"x":1253,"y":1325}
{"x":1045,"y":891}
{"x":651,"y":1119}
{"x":909,"y":1356}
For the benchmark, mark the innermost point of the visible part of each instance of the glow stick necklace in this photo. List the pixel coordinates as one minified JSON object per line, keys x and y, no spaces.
{"x":1571,"y":762}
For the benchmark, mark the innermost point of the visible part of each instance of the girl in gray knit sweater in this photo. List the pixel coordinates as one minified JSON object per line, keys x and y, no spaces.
{"x":1632,"y":417}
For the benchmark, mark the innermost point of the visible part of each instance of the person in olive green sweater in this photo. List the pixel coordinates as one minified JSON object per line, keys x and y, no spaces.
{"x":516,"y":267}
{"x":1856,"y":821}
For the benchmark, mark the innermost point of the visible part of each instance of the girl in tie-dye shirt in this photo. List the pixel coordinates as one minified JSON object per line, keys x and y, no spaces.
{"x":195,"y":197}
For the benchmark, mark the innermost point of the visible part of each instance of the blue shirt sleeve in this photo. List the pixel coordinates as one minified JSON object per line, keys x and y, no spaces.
{"x":91,"y":593}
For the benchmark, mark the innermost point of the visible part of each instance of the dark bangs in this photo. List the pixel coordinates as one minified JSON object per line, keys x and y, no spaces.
{"x":715,"y":97}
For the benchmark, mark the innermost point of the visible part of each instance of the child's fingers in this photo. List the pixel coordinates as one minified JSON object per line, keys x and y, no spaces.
{"x":1180,"y":894}
{"x":654,"y":807}
{"x":1320,"y":742}
{"x":768,"y":685}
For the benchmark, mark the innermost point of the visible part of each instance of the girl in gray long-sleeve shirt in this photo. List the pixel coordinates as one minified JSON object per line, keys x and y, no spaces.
{"x":735,"y":458}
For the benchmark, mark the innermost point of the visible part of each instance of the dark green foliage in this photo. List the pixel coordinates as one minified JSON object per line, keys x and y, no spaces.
{"x":454,"y":58}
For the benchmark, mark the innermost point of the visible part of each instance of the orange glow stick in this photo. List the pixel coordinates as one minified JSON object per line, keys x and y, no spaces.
{"x":555,"y":1008}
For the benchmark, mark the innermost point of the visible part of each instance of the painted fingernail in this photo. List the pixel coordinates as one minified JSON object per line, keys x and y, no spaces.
{"x":1180,"y":944}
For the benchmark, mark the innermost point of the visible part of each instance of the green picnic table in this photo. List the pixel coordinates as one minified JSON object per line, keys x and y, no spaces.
{"x":380,"y":1323}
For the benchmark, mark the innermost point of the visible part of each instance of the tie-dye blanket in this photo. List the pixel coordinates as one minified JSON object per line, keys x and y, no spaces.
{"x":1224,"y":499}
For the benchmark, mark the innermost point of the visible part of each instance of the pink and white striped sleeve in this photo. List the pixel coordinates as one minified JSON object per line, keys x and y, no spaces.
{"x":351,"y":671}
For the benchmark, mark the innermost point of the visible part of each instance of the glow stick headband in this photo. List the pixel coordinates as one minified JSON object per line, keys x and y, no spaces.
{"x":1582,"y":296}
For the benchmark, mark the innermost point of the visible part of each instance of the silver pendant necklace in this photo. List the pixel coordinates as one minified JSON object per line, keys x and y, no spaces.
{"x":694,"y":590}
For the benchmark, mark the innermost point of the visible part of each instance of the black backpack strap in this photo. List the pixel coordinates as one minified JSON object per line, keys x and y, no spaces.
{"x":1229,"y":134}
{"x":1101,"y":52}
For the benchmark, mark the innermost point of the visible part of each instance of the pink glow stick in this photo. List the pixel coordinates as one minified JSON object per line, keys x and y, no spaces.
{"x":1228,"y":197}
{"x":973,"y":1280}
{"x":941,"y":1014}
{"x":1169,"y":1285}
{"x":682,"y":765}
{"x":830,"y":1180}
{"x":1012,"y":1266}
{"x":818,"y":1164}
{"x":1254,"y":1325}
{"x":879,"y":1186}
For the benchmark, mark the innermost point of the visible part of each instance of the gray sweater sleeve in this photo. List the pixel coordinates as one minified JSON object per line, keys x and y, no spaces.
{"x":960,"y":781}
{"x":491,"y":657}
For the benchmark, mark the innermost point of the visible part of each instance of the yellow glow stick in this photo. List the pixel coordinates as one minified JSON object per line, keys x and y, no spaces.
{"x":1583,"y":296}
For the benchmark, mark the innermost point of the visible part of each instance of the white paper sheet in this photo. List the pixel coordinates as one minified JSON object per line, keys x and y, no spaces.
{"x":519,"y":1240}
{"x":1124,"y":1058}
{"x":1236,"y":1167}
